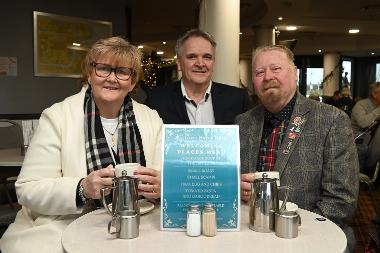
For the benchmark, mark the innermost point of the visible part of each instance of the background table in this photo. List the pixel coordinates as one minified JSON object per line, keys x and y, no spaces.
{"x":11,"y":157}
{"x":10,"y":162}
{"x":89,"y":234}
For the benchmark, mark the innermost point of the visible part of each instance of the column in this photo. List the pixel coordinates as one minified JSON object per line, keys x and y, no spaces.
{"x":221,"y":18}
{"x":264,"y":35}
{"x":331,"y":67}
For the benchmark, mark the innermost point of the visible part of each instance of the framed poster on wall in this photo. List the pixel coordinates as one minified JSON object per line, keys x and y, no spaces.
{"x":61,"y":43}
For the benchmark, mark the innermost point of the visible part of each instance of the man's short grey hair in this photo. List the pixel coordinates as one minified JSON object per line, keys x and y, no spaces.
{"x":374,"y":87}
{"x":289,"y":54}
{"x":190,"y":34}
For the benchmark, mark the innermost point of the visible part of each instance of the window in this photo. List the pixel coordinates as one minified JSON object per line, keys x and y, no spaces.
{"x":314,"y":77}
{"x":346,"y":70}
{"x":377,"y":72}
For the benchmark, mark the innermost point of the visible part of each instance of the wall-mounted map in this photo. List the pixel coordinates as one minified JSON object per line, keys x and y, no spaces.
{"x":61,"y":43}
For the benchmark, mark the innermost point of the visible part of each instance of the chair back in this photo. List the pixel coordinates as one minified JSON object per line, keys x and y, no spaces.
{"x":368,"y":131}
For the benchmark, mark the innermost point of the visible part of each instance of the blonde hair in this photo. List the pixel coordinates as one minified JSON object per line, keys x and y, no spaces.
{"x":289,"y":54}
{"x":374,"y":87}
{"x":117,"y":49}
{"x":346,"y":92}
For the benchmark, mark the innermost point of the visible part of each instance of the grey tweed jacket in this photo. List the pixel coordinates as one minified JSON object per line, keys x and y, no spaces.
{"x":317,"y":158}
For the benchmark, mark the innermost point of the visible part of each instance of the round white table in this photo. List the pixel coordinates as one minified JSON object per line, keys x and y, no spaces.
{"x":89,"y":234}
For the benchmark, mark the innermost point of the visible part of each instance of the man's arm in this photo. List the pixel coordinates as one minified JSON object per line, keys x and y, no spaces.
{"x":340,"y":175}
{"x":363,"y":117}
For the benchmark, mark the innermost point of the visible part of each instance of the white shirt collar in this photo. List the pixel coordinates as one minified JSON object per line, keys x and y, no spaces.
{"x":206,"y":95}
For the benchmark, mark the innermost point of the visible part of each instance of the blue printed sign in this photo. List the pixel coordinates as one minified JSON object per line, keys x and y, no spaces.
{"x":201,"y":164}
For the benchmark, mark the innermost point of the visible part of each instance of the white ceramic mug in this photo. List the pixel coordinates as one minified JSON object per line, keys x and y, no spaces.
{"x":128,"y":167}
{"x":290,"y":206}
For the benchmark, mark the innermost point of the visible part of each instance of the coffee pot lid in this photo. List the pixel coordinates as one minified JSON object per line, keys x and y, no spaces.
{"x":265,"y":178}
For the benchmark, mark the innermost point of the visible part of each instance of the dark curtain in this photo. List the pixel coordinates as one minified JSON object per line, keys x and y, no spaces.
{"x":365,"y":74}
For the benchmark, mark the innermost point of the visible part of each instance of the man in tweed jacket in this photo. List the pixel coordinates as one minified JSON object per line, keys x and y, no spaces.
{"x":315,"y":154}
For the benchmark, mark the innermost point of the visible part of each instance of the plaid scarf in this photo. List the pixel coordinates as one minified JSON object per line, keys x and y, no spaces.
{"x":129,"y":145}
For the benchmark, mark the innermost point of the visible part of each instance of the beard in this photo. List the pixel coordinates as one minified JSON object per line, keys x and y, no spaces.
{"x":270,"y":92}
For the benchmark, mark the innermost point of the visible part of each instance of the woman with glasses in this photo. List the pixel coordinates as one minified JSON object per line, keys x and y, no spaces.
{"x":77,"y":144}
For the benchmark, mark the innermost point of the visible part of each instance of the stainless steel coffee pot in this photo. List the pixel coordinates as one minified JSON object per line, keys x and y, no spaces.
{"x":124,"y":198}
{"x":264,"y":203}
{"x":125,"y":210}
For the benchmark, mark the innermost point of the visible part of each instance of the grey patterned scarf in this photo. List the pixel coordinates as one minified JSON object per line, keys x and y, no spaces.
{"x":129,"y":145}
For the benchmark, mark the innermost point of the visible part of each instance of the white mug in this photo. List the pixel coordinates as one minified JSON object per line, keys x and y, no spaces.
{"x":290,"y":206}
{"x":128,"y":167}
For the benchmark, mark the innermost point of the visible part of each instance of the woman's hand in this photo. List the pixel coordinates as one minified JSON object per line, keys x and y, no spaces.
{"x":96,"y":180}
{"x":245,"y":186}
{"x":150,"y":182}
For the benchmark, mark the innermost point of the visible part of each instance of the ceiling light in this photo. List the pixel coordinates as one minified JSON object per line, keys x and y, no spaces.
{"x":291,"y":28}
{"x":319,"y":50}
{"x":164,"y":42}
{"x":140,"y":47}
{"x":160,"y":52}
{"x":76,"y":44}
{"x":240,"y":33}
{"x":354,"y":31}
{"x":280,"y":18}
{"x":372,"y":53}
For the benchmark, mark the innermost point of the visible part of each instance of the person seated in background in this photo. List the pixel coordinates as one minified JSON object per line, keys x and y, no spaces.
{"x":76,"y":145}
{"x":310,"y":144}
{"x":196,"y":99}
{"x":314,"y":96}
{"x":364,"y":113}
{"x":346,"y":103}
{"x":334,"y":99}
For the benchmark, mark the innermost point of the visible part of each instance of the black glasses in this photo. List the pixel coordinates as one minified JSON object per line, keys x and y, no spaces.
{"x":104,"y":70}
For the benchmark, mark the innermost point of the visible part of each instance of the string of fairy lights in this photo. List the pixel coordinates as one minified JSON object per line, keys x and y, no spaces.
{"x":151,"y":66}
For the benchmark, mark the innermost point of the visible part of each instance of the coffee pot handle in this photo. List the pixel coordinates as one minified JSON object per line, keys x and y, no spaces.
{"x":103,"y":195}
{"x":110,"y":224}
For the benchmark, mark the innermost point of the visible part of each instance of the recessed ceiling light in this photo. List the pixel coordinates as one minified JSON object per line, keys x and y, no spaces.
{"x":354,"y":31}
{"x":140,"y":47}
{"x":372,"y":53}
{"x":280,"y":18}
{"x":240,"y":33}
{"x":164,"y":42}
{"x":160,"y":52}
{"x":319,"y":50}
{"x":291,"y":28}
